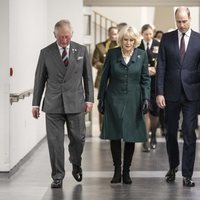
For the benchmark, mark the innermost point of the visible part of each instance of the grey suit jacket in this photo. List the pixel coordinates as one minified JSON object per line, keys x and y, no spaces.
{"x":67,"y":88}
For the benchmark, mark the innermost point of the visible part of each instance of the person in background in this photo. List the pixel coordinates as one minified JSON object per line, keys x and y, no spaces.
{"x":152,"y":117}
{"x":64,"y":72}
{"x":121,"y":25}
{"x":124,"y":99}
{"x":178,"y":89}
{"x":99,"y":55}
{"x":158,"y":35}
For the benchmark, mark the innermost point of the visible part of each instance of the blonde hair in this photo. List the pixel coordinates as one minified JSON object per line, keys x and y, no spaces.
{"x":130,"y":32}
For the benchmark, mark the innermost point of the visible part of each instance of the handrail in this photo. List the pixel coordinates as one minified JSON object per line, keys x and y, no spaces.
{"x":15,"y":97}
{"x":101,"y":25}
{"x":110,"y":20}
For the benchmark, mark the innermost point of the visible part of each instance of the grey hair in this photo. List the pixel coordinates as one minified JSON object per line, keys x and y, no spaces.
{"x":61,"y":23}
{"x":130,"y":32}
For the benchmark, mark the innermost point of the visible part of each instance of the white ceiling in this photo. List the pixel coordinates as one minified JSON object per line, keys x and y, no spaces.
{"x":141,"y":3}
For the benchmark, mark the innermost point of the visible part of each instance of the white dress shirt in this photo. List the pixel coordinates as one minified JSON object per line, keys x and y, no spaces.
{"x":186,"y":38}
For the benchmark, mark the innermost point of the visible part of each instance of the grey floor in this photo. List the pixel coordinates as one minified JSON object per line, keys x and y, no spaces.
{"x":32,"y":180}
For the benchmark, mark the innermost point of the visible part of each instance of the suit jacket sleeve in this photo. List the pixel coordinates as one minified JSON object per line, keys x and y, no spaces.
{"x":161,"y":67}
{"x":40,"y":80}
{"x":96,"y":56}
{"x":87,"y":78}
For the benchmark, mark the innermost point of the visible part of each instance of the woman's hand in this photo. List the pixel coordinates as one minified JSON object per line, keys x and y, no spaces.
{"x":100,"y":106}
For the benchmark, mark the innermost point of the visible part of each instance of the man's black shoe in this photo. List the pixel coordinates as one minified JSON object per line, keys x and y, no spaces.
{"x":77,"y":173}
{"x":57,"y":183}
{"x":171,"y":175}
{"x":188,"y":182}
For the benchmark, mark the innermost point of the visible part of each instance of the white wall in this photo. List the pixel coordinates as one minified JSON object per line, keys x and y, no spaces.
{"x":66,"y":9}
{"x":4,"y":85}
{"x":27,"y":35}
{"x":25,"y":132}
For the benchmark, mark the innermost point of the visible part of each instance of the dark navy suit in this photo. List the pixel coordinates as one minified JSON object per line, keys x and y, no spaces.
{"x":179,"y":83}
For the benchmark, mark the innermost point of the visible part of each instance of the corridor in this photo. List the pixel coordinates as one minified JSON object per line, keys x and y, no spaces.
{"x":32,"y":180}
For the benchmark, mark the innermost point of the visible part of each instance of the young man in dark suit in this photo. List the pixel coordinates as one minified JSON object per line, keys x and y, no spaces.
{"x":178,"y":89}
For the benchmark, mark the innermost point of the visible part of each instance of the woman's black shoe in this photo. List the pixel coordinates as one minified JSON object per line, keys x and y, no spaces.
{"x":126,"y":178}
{"x":117,"y":176}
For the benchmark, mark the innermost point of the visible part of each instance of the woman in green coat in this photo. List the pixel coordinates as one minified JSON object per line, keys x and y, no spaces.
{"x":123,"y":98}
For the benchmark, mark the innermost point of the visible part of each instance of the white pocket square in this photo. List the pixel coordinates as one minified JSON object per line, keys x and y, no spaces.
{"x":80,"y":58}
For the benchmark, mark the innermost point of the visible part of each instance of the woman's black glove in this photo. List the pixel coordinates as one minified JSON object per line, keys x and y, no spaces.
{"x":145,"y":106}
{"x":101,"y":106}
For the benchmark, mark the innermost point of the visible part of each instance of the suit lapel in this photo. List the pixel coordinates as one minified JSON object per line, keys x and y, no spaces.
{"x":190,"y":45}
{"x":119,"y":56}
{"x":176,"y":44}
{"x":135,"y":55}
{"x":57,"y":58}
{"x":73,"y":52}
{"x":153,"y":45}
{"x":142,"y":45}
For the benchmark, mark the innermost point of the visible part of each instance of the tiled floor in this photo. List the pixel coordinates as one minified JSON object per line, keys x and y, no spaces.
{"x":32,"y":180}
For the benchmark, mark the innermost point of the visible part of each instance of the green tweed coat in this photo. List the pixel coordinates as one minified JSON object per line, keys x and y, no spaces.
{"x":123,"y":88}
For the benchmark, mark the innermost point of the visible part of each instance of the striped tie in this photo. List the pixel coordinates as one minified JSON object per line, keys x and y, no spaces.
{"x":65,"y":57}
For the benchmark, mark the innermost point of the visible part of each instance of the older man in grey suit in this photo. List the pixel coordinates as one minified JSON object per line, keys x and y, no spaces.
{"x":64,"y":70}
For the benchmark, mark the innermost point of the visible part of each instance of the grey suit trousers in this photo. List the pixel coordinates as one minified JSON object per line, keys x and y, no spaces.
{"x":55,"y":136}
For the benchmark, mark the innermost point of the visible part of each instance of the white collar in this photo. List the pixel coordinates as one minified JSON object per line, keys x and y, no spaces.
{"x":61,"y":48}
{"x":150,"y":43}
{"x":188,"y":33}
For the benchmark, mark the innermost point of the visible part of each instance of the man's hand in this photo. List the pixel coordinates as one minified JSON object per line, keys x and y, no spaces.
{"x":152,"y":71}
{"x":88,"y":107}
{"x":36,"y":112}
{"x":160,"y":100}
